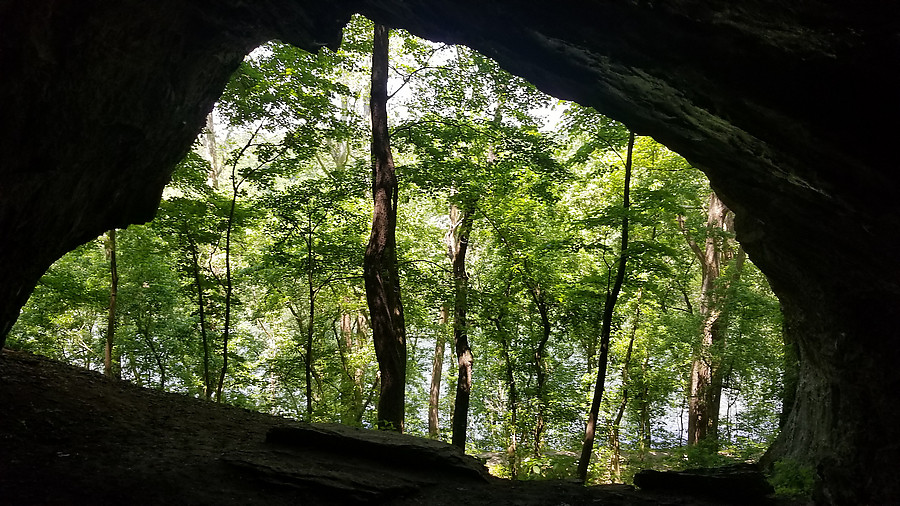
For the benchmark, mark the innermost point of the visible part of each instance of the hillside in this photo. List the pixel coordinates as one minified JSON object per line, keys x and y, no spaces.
{"x":72,"y":436}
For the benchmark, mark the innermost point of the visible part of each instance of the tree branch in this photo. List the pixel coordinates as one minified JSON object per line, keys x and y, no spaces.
{"x":690,"y":240}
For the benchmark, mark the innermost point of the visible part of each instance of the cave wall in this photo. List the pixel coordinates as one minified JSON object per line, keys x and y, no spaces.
{"x":100,"y":99}
{"x":778,"y":104}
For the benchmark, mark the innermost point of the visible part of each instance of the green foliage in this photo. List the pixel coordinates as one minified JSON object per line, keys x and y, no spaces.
{"x":63,"y":318}
{"x":550,"y":466}
{"x":792,"y":480}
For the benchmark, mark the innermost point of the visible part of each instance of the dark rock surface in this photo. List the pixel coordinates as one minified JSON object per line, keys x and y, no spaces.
{"x":736,"y":484}
{"x":71,"y":436}
{"x":787,"y":106}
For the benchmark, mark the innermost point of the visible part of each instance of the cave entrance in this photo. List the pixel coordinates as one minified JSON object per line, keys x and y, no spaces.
{"x":264,"y":223}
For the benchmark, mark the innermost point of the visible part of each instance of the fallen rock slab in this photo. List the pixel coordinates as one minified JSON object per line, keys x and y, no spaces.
{"x":735,"y":484}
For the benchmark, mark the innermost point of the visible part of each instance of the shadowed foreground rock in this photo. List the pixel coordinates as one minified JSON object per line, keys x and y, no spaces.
{"x":737,"y":484}
{"x":72,"y":436}
{"x":360,"y":464}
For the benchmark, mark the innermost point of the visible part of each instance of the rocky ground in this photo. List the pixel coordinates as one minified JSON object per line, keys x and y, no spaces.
{"x":71,"y":436}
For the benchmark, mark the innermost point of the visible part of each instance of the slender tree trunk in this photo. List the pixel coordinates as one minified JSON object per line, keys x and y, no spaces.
{"x":364,"y":397}
{"x":380,"y":269}
{"x":437,"y":368}
{"x":345,"y":345}
{"x":229,"y":280}
{"x":309,"y":354}
{"x":310,"y":324}
{"x":157,"y":354}
{"x":109,"y":368}
{"x":458,"y":245}
{"x":212,"y":178}
{"x":201,"y":306}
{"x":616,"y":460}
{"x":541,"y":367}
{"x":512,"y":396}
{"x":606,"y":330}
{"x":644,"y":403}
{"x":229,"y":283}
{"x":309,"y":371}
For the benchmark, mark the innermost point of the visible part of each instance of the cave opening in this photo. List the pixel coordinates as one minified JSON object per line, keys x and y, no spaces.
{"x":766,"y":100}
{"x":281,"y":166}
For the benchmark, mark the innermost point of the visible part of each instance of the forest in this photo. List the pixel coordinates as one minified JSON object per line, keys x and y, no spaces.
{"x":399,"y":234}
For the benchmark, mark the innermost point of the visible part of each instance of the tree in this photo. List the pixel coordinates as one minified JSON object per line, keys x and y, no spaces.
{"x":509,"y":380}
{"x":314,"y":241}
{"x":469,"y":123}
{"x":190,"y":222}
{"x":437,"y":368}
{"x":237,"y":179}
{"x":108,"y":368}
{"x":156,"y":328}
{"x":615,"y":460}
{"x":457,"y":245}
{"x":706,"y":373}
{"x":608,"y":308}
{"x":286,"y":96}
{"x":380,"y":265}
{"x":201,"y":312}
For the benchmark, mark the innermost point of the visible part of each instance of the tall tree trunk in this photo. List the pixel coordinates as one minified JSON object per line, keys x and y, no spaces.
{"x":366,"y":394}
{"x":308,"y":364}
{"x":212,"y":178}
{"x":310,"y":324}
{"x":380,"y":269}
{"x":705,"y":396}
{"x":612,"y":296}
{"x":644,"y":403}
{"x":458,"y":245}
{"x":705,"y":390}
{"x":229,"y":282}
{"x":109,"y":368}
{"x":513,"y":399}
{"x":437,"y":368}
{"x":157,"y":353}
{"x":305,"y":351}
{"x":201,"y":306}
{"x":512,"y":455}
{"x":345,"y":345}
{"x":616,"y":460}
{"x":541,"y":367}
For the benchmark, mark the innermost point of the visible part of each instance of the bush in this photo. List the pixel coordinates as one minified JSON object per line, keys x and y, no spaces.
{"x":792,"y":480}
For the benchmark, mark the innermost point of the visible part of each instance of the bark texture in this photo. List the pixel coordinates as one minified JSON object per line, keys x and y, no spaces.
{"x":457,"y":246}
{"x":705,"y":389}
{"x":781,"y":104}
{"x":380,"y":264}
{"x":609,"y":306}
